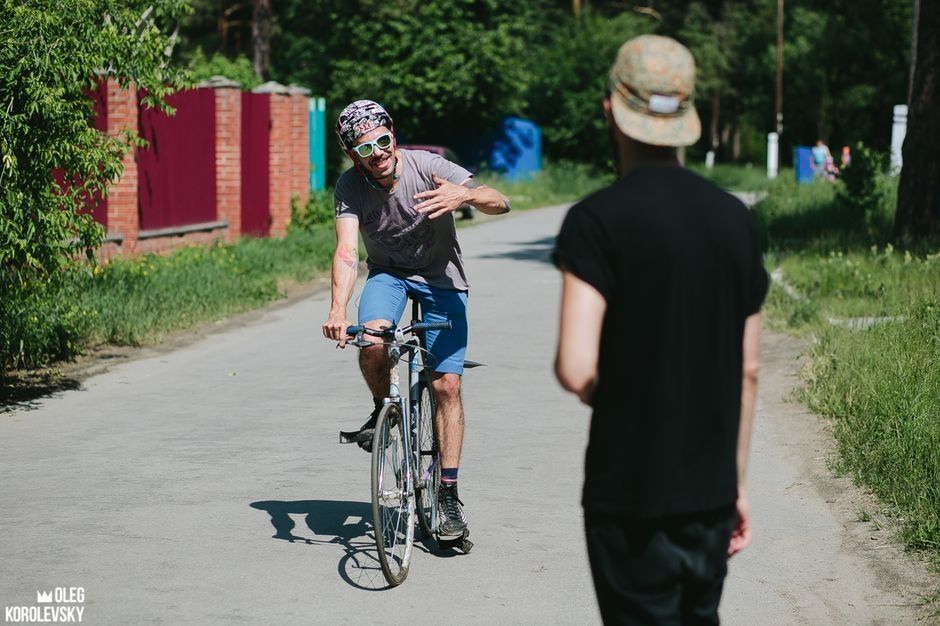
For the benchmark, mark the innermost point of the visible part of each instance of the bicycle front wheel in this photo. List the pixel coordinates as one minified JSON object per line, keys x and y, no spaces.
{"x":429,"y":467}
{"x":393,"y":503}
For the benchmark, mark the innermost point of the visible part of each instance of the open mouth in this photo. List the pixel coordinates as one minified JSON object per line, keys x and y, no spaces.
{"x":380,"y":163}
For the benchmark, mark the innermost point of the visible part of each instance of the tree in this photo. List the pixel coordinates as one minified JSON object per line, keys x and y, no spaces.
{"x":707,"y":38}
{"x":918,"y":210}
{"x":53,"y":53}
{"x":261,"y":37}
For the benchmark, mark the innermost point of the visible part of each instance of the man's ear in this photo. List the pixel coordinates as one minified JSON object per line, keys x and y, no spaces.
{"x":608,"y":112}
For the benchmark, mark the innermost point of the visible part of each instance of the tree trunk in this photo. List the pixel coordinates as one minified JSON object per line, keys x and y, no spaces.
{"x":918,"y":209}
{"x":261,"y":38}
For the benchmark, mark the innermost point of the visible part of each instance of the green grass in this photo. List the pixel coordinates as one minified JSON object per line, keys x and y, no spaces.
{"x":878,"y":381}
{"x":137,"y":301}
{"x":733,"y":177}
{"x":557,"y":183}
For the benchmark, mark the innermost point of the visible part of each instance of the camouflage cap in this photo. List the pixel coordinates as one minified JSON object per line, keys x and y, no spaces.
{"x":358,"y":118}
{"x":651,"y":86}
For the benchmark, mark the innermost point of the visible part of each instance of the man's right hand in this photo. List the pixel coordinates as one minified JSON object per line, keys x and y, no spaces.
{"x":741,"y":534}
{"x":335,"y":328}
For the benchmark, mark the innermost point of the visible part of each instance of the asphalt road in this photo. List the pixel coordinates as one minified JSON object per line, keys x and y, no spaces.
{"x":206,"y":485}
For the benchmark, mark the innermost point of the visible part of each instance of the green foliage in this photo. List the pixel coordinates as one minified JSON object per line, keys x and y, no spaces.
{"x":53,"y":53}
{"x":863,"y":189}
{"x":317,"y":211}
{"x":557,"y":183}
{"x":736,"y":177}
{"x":239,"y":69}
{"x":812,"y":216}
{"x":41,"y":323}
{"x":874,"y":313}
{"x":136,"y":301}
{"x":881,"y":387}
{"x":569,"y":79}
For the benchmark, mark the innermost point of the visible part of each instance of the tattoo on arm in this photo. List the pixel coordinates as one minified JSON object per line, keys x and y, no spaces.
{"x":349,"y":260}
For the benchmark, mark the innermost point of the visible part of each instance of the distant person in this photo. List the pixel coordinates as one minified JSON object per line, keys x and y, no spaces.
{"x":820,"y":157}
{"x":660,"y":322}
{"x":846,"y":157}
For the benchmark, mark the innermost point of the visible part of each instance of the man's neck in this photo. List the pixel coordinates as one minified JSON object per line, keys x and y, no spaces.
{"x":388,"y":182}
{"x":632,"y":154}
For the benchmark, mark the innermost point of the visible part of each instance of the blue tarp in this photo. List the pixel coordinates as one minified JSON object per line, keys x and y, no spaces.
{"x":517,"y":149}
{"x":803,"y":164}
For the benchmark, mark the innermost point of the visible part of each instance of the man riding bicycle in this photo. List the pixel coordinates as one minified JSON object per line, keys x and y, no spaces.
{"x":402,"y":201}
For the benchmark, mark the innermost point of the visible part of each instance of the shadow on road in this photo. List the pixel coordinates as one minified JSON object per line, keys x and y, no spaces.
{"x":536,"y":250}
{"x":20,"y":392}
{"x":337,"y":522}
{"x":346,"y":524}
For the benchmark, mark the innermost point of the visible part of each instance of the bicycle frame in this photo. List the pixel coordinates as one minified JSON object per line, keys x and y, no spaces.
{"x":412,"y":446}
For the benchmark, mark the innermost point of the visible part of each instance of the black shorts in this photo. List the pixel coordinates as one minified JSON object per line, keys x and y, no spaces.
{"x":667,"y":570}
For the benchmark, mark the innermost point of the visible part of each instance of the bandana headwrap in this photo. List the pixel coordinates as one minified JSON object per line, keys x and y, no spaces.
{"x":359,"y":118}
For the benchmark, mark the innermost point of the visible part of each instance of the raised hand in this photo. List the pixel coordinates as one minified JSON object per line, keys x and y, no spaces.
{"x":445,"y":199}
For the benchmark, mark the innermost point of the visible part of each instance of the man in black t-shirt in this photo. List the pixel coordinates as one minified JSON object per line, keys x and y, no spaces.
{"x":660,"y":324}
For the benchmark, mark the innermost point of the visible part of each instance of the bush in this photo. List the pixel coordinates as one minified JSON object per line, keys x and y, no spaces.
{"x":41,"y":323}
{"x":239,"y":69}
{"x":317,"y":211}
{"x":54,"y":53}
{"x":862,"y":188}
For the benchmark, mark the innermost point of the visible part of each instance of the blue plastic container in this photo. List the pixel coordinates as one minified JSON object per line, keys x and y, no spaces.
{"x":517,"y":149}
{"x":803,"y":164}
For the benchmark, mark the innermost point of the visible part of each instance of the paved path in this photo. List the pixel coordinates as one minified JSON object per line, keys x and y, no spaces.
{"x":205,"y":485}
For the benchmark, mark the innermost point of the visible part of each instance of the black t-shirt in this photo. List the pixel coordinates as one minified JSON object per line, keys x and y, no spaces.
{"x":678,"y":261}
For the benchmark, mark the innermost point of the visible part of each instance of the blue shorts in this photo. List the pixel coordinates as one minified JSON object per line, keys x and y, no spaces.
{"x":384,"y":298}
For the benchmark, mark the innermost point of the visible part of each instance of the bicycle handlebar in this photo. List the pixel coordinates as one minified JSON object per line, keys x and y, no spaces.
{"x":389,"y":333}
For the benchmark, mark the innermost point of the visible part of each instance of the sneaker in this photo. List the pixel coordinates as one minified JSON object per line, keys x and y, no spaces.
{"x":363,"y":436}
{"x":452,"y":520}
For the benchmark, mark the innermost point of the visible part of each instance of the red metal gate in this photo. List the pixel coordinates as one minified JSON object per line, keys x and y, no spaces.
{"x":176,"y":172}
{"x":256,"y":131}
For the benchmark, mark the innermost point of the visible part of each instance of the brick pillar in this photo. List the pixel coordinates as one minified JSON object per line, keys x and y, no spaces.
{"x":279,"y":165}
{"x":228,"y":165}
{"x":300,"y":143}
{"x":123,"y":218}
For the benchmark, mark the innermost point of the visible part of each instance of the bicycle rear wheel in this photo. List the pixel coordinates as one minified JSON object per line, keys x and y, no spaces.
{"x":393,"y":507}
{"x":429,"y":466}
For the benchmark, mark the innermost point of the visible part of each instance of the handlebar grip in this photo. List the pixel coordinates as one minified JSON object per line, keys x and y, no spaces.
{"x":445,"y":325}
{"x":354,"y":330}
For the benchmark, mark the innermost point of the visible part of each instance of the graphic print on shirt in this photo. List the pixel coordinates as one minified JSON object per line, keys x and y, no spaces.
{"x":405,"y":236}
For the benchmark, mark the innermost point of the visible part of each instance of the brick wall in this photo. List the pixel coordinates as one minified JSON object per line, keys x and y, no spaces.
{"x":281,"y":156}
{"x":122,"y":196}
{"x":289,"y":167}
{"x":228,"y":129}
{"x":300,"y":143}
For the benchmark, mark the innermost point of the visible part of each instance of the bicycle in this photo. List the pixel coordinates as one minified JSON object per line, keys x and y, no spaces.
{"x":406,"y":463}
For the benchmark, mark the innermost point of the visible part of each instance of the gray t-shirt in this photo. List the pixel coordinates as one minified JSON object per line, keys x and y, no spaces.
{"x":398,"y":239}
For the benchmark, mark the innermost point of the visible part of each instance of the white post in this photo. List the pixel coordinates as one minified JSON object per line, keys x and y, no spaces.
{"x":710,"y":159}
{"x":898,"y":130}
{"x":773,"y":145}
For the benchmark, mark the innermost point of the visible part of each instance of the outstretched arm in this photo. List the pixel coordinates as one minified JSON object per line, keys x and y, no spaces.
{"x":448,"y":197}
{"x":344,"y":274}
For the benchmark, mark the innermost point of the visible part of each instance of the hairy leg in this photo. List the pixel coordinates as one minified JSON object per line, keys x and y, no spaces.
{"x":373,"y":361}
{"x":449,"y":417}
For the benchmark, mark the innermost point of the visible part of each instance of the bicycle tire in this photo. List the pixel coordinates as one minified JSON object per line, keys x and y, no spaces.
{"x":393,"y":507}
{"x":429,"y":463}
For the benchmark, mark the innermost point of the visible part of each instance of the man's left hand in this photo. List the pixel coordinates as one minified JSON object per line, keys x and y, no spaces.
{"x":445,"y":199}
